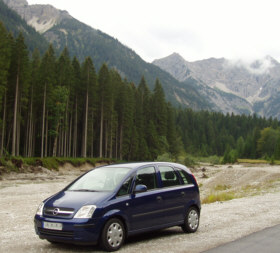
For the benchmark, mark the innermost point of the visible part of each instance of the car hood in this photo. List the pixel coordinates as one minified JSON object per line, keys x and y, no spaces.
{"x":77,"y":199}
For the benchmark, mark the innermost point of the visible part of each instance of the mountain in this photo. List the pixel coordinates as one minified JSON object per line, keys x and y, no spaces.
{"x":212,"y":84}
{"x":242,"y":86}
{"x":60,"y":29}
{"x":15,"y":24}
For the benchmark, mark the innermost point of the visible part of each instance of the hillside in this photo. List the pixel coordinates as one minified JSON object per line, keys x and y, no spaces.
{"x":60,"y":29}
{"x":15,"y":24}
{"x":252,"y":87}
{"x":211,"y":84}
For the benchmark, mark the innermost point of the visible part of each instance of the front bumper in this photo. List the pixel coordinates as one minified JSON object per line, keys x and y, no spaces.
{"x":76,"y":231}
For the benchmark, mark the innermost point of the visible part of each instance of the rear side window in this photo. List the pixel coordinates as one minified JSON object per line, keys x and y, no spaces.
{"x":185,"y":176}
{"x":168,"y":176}
{"x":147,"y":176}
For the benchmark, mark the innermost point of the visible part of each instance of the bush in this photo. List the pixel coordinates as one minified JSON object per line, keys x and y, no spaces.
{"x":220,"y":196}
{"x":189,"y":161}
{"x":230,"y":156}
{"x":166,"y":157}
{"x":210,"y":159}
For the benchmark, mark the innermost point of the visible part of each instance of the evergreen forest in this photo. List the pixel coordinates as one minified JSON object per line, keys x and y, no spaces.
{"x":56,"y":106}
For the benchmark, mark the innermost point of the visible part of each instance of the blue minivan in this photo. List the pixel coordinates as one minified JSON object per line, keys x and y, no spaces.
{"x":109,"y":203}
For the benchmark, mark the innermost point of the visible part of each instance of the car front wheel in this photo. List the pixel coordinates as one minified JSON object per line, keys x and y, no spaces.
{"x":191,"y":222}
{"x":113,"y":235}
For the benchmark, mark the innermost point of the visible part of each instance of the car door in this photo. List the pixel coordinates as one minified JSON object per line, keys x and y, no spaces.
{"x":145,"y":207}
{"x":173,"y":195}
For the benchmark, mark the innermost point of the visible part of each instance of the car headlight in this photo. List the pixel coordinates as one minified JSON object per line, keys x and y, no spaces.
{"x":85,"y":212}
{"x":40,"y":209}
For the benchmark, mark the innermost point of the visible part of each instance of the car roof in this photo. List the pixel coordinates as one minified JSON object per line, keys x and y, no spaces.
{"x":141,"y":164}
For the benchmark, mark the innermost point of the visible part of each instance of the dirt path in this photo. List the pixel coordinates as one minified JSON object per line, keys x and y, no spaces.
{"x":221,"y":222}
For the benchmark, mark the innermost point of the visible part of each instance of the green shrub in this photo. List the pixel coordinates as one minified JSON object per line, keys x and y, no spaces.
{"x":50,"y":163}
{"x":230,"y":156}
{"x":189,"y":161}
{"x":166,"y":157}
{"x":220,"y":196}
{"x":220,"y":187}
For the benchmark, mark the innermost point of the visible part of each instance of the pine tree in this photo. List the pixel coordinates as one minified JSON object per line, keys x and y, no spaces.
{"x":104,"y":103}
{"x":159,"y":110}
{"x":64,"y":76}
{"x":57,"y":106}
{"x":89,"y":83}
{"x":76,"y":95}
{"x":5,"y":58}
{"x":19,"y":80}
{"x":33,"y":107}
{"x":142,"y":117}
{"x":48,"y":80}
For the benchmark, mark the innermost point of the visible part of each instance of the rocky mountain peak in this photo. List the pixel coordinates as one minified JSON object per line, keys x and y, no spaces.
{"x":179,"y":68}
{"x":16,"y":3}
{"x":41,"y":17}
{"x":257,"y":82}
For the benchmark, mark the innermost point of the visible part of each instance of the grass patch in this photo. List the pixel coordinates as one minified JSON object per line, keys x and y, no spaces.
{"x":52,"y":163}
{"x":218,"y":196}
{"x":220,"y":187}
{"x":210,"y":159}
{"x":257,"y":161}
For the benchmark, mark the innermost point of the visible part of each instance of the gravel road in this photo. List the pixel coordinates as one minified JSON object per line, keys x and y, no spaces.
{"x":220,"y":222}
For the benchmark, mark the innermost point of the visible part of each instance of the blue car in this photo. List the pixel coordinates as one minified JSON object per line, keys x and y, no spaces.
{"x":109,"y":203}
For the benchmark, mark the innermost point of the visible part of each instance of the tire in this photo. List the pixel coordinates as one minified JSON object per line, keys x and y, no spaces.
{"x":191,"y":222}
{"x":52,"y":242}
{"x":113,"y":234}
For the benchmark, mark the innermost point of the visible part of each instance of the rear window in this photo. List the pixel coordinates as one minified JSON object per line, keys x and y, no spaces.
{"x":185,"y":176}
{"x":168,"y":176}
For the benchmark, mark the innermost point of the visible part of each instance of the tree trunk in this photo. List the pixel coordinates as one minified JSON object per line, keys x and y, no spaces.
{"x":3,"y":124}
{"x":70,"y":135}
{"x":106,"y":139}
{"x":65,"y":130}
{"x":111,"y":142}
{"x":121,"y":142}
{"x":101,"y":131}
{"x":26,"y":141}
{"x":15,"y":117}
{"x":18,"y":133}
{"x":75,"y":130}
{"x":116,"y":145}
{"x":43,"y":121}
{"x":46,"y":135}
{"x":92,"y":132}
{"x":55,"y":142}
{"x":84,"y":147}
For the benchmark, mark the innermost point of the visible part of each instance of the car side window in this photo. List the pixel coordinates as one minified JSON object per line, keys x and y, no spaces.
{"x":185,"y":176}
{"x":147,"y":176}
{"x":168,"y":176}
{"x":124,"y":190}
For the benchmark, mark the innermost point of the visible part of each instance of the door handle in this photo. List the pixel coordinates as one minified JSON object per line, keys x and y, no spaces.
{"x":183,"y":194}
{"x":159,"y":198}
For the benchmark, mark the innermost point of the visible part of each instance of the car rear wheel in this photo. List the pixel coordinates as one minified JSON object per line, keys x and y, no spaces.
{"x":113,"y":235}
{"x":191,"y":222}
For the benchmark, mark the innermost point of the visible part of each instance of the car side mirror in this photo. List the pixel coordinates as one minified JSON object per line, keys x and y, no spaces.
{"x":140,"y":188}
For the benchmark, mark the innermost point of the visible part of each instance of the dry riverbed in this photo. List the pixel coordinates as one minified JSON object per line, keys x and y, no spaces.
{"x":257,"y":206}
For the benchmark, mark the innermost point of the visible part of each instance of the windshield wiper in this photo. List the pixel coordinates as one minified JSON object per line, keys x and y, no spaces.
{"x":84,"y":190}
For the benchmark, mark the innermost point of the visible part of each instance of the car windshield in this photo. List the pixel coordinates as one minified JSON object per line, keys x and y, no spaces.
{"x":100,"y":179}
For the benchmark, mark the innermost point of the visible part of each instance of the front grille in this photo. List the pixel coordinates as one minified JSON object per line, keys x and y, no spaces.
{"x":49,"y":232}
{"x":60,"y":212}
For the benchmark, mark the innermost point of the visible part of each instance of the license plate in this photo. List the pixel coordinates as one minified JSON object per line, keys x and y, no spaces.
{"x":52,"y":225}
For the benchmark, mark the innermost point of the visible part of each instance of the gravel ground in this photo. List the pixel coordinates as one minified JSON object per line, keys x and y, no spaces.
{"x":220,"y":222}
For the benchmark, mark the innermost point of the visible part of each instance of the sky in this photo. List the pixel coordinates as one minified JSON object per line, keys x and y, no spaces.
{"x":196,"y":29}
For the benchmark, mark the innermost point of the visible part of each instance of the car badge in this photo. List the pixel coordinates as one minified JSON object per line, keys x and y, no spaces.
{"x":55,"y":211}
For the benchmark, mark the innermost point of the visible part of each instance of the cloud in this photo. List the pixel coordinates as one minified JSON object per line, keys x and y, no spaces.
{"x":254,"y":66}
